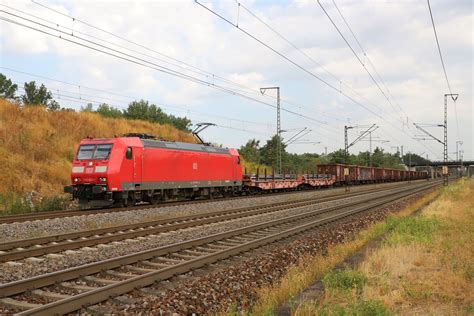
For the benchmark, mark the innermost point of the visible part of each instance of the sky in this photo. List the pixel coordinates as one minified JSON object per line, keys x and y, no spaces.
{"x":191,"y":62}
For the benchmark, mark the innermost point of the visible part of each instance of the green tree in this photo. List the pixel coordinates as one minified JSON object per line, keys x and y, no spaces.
{"x":88,"y":108}
{"x":415,"y":160}
{"x":138,"y":110}
{"x":339,"y":156}
{"x":36,"y":96}
{"x":142,"y":110}
{"x":251,"y":151}
{"x":269,"y":152}
{"x":108,"y":111}
{"x":7,"y":88}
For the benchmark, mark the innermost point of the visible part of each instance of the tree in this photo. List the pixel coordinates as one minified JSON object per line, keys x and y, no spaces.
{"x":142,"y":110}
{"x":138,"y":110}
{"x":108,"y":111}
{"x":7,"y":88}
{"x":88,"y":108}
{"x":339,"y":156}
{"x":53,"y":105}
{"x":415,"y":160}
{"x":251,"y":151}
{"x":269,"y":152}
{"x":36,"y":96}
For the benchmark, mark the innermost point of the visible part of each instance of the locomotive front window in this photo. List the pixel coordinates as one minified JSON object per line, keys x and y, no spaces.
{"x":85,"y":152}
{"x":89,"y":152}
{"x":102,"y":152}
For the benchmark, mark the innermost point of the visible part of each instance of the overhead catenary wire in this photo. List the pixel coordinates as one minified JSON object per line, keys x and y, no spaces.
{"x":62,"y":96}
{"x":139,"y":61}
{"x":207,"y":73}
{"x":305,"y":54}
{"x":367,"y":57}
{"x":165,"y":106}
{"x":303,"y":69}
{"x":444,"y":68}
{"x":357,"y":56}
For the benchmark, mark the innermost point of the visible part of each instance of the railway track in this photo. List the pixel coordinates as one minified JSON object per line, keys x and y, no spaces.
{"x":74,"y":288}
{"x":33,"y":247}
{"x":7,"y":219}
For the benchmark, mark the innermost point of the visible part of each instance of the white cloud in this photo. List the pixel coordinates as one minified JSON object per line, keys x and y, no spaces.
{"x":397,"y":36}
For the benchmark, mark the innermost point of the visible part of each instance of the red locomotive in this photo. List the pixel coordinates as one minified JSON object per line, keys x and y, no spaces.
{"x":126,"y":170}
{"x":136,"y":168}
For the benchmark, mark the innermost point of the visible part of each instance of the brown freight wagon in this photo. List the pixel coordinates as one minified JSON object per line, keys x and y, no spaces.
{"x":337,"y":170}
{"x":365,"y":174}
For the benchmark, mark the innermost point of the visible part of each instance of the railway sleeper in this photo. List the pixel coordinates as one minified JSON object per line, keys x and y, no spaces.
{"x":17,"y":305}
{"x":139,"y":269}
{"x":50,"y":295}
{"x":121,"y":274}
{"x":154,"y":264}
{"x":100,"y":280}
{"x":79,"y":287}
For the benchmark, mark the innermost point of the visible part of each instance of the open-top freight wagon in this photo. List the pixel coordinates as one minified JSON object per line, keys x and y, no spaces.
{"x":352,"y":174}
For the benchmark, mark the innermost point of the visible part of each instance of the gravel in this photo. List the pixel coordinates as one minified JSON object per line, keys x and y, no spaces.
{"x":56,"y":226}
{"x":31,"y":267}
{"x":232,"y":284}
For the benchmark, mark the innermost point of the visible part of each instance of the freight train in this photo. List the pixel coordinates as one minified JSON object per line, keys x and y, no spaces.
{"x":138,"y":168}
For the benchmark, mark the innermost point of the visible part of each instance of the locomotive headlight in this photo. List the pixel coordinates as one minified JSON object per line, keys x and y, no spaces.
{"x":77,"y":179}
{"x":103,"y":179}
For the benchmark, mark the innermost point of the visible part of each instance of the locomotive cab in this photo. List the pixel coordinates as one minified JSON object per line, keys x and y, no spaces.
{"x":90,"y":174}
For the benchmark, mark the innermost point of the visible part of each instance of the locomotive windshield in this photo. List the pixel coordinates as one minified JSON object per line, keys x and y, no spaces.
{"x":88,"y":152}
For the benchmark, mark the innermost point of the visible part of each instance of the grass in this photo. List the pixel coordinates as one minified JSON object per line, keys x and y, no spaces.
{"x":37,"y":148}
{"x":362,"y":308}
{"x":424,"y":266}
{"x":309,"y":269}
{"x":344,"y":280}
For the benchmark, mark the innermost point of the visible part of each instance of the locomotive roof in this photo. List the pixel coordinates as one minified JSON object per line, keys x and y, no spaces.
{"x":183,"y":146}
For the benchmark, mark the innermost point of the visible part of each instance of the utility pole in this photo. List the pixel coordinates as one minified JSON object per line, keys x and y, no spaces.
{"x":409,"y":166}
{"x":346,"y":141}
{"x":370,"y":129}
{"x":325,"y":151}
{"x":402,"y":153}
{"x":262,"y":91}
{"x":453,"y":96}
{"x":370,"y":149}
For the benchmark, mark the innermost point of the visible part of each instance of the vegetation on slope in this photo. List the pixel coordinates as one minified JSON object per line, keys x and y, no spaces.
{"x":37,"y":145}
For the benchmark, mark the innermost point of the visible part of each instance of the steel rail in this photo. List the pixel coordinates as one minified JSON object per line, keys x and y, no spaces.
{"x":75,"y":302}
{"x":68,"y":241}
{"x":7,"y":219}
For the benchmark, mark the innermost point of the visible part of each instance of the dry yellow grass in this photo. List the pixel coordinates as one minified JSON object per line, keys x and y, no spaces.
{"x":424,"y":267}
{"x":310,"y":269}
{"x":37,"y":146}
{"x":435,"y":278}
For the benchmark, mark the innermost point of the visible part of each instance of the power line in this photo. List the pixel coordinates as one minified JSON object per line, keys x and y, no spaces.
{"x":357,"y":57}
{"x":207,"y":73}
{"x":442,"y":64}
{"x":366,"y":55}
{"x":62,"y":96}
{"x":304,"y":54}
{"x":183,"y":109}
{"x":299,"y":66}
{"x":145,"y":63}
